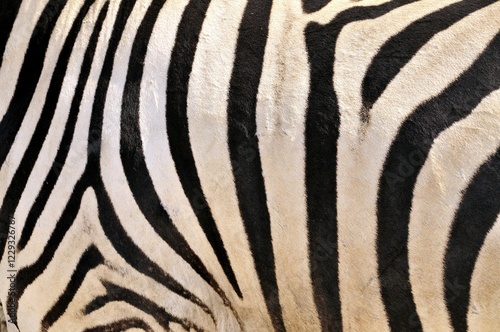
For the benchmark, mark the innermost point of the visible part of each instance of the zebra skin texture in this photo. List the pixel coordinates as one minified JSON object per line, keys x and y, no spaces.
{"x":250,"y":165}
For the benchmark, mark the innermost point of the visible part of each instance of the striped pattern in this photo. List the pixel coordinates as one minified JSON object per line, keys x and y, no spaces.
{"x":214,"y":165}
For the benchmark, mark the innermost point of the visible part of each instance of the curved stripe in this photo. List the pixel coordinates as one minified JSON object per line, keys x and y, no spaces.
{"x":62,"y":153}
{"x":18,"y":183}
{"x":122,"y":325}
{"x":92,"y":177}
{"x":401,"y":48}
{"x":484,"y":292}
{"x":399,"y":176}
{"x":475,"y":217}
{"x":244,"y":150}
{"x":321,"y":135}
{"x":207,"y":120}
{"x":90,"y":259}
{"x":455,"y":156}
{"x":181,"y":63}
{"x":134,"y":256}
{"x":280,"y":115}
{"x":29,"y":76}
{"x":116,"y":293}
{"x":132,"y":155}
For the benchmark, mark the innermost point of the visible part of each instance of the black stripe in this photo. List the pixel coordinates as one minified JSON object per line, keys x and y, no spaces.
{"x":310,"y":6}
{"x":67,"y":138}
{"x":115,"y":293}
{"x":29,"y":273}
{"x":400,"y":49}
{"x":474,"y":218}
{"x":134,"y":255}
{"x":132,"y":155}
{"x":321,"y":135}
{"x":402,"y":166}
{"x":90,"y":259}
{"x":29,"y":76}
{"x":122,"y":325}
{"x":92,"y":177}
{"x":8,"y":14}
{"x":110,"y":223}
{"x":23,"y":172}
{"x":244,"y":150}
{"x":181,"y":63}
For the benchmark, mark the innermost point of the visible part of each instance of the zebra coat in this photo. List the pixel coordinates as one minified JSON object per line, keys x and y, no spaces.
{"x":217,"y":165}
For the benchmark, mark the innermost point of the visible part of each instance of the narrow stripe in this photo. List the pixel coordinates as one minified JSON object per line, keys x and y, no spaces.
{"x":31,"y":154}
{"x":62,"y":153}
{"x":122,"y":325}
{"x":475,"y":217}
{"x":132,"y":254}
{"x":90,"y":259}
{"x":29,"y":76}
{"x":132,"y":154}
{"x":401,"y":48}
{"x":416,"y":135}
{"x":92,"y":177}
{"x":244,"y":150}
{"x":181,"y":63}
{"x":116,"y":293}
{"x":321,"y":135}
{"x":28,"y":274}
{"x":110,"y":223}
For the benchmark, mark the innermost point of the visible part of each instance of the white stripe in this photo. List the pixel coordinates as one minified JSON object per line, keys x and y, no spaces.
{"x":452,"y":162}
{"x":360,"y":158}
{"x":16,"y":47}
{"x":485,"y":293}
{"x":43,"y":165}
{"x":129,"y":214}
{"x":156,"y":147}
{"x":281,"y":107}
{"x":57,"y":274}
{"x":77,"y":156}
{"x":30,"y":121}
{"x":207,"y":116}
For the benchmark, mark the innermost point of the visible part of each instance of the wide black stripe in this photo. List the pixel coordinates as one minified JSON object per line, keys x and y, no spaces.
{"x":67,"y":138}
{"x":23,"y":172}
{"x":8,"y":14}
{"x":116,"y":293}
{"x":134,"y":164}
{"x":90,"y":259}
{"x":400,"y":49}
{"x":122,"y":325}
{"x":181,"y":63}
{"x":402,"y":166}
{"x":244,"y":150}
{"x":310,"y":6}
{"x":28,"y":77}
{"x":474,"y":218}
{"x":321,"y":135}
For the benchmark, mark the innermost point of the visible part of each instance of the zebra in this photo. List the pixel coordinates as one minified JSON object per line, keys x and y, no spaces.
{"x":216,"y":165}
